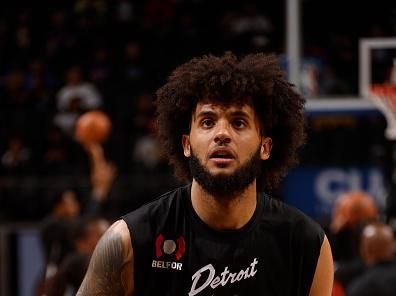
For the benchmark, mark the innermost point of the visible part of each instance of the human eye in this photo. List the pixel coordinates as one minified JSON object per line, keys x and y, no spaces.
{"x":207,"y":122}
{"x":239,"y":123}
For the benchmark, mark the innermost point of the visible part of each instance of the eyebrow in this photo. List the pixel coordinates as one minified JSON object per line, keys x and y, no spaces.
{"x":205,"y":113}
{"x":213,"y":113}
{"x":240,"y":113}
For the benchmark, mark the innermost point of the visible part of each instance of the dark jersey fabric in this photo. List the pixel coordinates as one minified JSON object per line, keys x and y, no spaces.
{"x":176,"y":253}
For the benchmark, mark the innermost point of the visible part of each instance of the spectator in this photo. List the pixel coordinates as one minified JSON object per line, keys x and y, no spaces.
{"x":56,"y":152}
{"x":66,"y":207}
{"x":17,"y":100}
{"x":100,"y":67}
{"x":73,"y":268}
{"x":74,"y":98}
{"x":247,"y":26}
{"x":124,"y":11}
{"x":16,"y":157}
{"x":57,"y":226}
{"x":351,"y":212}
{"x":378,"y":252}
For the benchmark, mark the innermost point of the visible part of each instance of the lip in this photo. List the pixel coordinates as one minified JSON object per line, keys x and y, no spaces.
{"x":226,"y":151}
{"x":229,"y":156}
{"x":222,"y":161}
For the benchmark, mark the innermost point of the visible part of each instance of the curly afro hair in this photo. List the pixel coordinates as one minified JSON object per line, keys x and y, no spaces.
{"x":255,"y":79}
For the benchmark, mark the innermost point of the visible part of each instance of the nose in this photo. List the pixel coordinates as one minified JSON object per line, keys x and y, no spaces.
{"x":222,"y":134}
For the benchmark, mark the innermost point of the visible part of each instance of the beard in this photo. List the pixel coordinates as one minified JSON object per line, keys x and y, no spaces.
{"x":226,"y":185}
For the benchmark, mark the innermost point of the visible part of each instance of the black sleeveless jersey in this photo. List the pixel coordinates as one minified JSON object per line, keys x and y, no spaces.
{"x":176,"y":253}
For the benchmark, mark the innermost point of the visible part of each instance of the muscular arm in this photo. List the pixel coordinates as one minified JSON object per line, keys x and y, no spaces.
{"x":110,"y":270}
{"x":322,"y":283}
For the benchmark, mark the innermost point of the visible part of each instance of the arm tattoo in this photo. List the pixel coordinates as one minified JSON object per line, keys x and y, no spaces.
{"x":104,"y":273}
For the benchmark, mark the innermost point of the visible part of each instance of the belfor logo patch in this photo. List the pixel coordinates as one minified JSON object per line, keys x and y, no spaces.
{"x":175,"y":248}
{"x":171,"y":250}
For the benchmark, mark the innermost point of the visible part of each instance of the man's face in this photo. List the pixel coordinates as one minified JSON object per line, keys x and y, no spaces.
{"x":225,"y":143}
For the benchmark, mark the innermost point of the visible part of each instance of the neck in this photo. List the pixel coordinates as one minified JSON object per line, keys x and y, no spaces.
{"x":224,"y":213}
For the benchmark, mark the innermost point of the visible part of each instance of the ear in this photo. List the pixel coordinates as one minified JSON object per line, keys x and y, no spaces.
{"x":266,"y":146}
{"x":186,"y":145}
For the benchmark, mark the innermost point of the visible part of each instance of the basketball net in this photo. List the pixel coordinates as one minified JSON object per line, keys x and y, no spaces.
{"x":384,"y":98}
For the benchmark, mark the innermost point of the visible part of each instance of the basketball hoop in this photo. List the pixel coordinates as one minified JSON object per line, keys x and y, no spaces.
{"x":384,"y":97}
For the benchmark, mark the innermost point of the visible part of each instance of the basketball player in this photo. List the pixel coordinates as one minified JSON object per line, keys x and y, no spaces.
{"x":232,"y":128}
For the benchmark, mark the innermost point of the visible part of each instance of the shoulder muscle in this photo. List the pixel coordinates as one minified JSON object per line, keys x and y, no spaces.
{"x":322,"y":283}
{"x":110,"y":270}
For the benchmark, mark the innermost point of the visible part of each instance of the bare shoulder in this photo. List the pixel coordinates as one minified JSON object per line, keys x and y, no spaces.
{"x":324,"y":274}
{"x":110,"y":270}
{"x":119,"y":231}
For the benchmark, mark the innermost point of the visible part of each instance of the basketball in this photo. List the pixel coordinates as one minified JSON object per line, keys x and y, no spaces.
{"x":93,"y":127}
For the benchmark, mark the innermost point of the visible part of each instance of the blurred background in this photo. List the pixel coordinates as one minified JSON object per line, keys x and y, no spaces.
{"x":60,"y":59}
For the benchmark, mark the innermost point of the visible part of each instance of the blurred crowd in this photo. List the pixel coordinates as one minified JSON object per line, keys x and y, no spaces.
{"x":70,"y":231}
{"x":364,"y":247}
{"x":60,"y":59}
